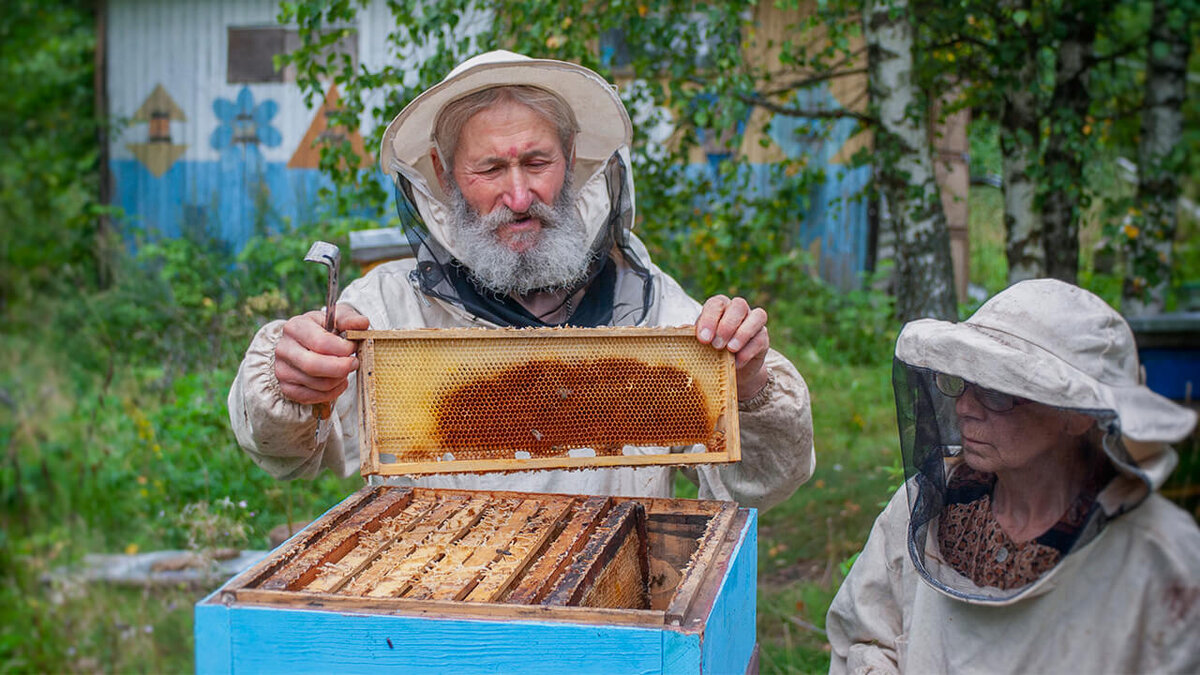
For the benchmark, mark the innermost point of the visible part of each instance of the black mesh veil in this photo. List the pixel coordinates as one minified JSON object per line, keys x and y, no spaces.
{"x":440,"y":275}
{"x":936,"y":469}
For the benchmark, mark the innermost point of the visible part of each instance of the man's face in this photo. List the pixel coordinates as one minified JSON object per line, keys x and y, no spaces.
{"x":513,"y":208}
{"x":509,"y":156}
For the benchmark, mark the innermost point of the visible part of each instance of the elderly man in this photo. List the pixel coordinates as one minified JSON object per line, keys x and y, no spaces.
{"x":512,"y":180}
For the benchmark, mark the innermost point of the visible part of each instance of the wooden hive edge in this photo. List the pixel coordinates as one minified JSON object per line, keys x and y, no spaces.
{"x":301,"y":541}
{"x":446,"y":609}
{"x":521,"y":333}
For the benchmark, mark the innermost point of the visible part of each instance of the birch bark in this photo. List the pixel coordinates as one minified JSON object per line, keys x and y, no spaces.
{"x":1065,"y":148}
{"x":903,"y":167}
{"x":1019,"y":133}
{"x":1148,"y":256}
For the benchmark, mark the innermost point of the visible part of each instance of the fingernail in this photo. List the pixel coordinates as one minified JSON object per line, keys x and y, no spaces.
{"x":718,"y":343}
{"x":705,"y":335}
{"x":734,"y":345}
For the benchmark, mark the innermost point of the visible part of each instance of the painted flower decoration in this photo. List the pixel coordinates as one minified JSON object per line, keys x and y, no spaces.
{"x":245,"y":124}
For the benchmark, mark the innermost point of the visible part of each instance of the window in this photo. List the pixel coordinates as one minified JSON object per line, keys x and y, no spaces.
{"x":252,"y":51}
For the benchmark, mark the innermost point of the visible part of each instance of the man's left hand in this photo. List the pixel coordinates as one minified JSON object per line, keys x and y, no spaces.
{"x":732,"y":325}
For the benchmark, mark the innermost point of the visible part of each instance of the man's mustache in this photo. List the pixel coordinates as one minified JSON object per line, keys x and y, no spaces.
{"x":502,"y":215}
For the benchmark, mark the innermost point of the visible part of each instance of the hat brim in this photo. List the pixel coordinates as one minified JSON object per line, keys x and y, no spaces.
{"x":603,"y":121}
{"x":1004,"y":362}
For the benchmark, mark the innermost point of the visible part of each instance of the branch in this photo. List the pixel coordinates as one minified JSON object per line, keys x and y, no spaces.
{"x":757,"y":100}
{"x":809,"y":81}
{"x":1116,"y":55}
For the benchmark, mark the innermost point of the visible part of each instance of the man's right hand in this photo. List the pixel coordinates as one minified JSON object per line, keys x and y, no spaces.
{"x":312,"y":364}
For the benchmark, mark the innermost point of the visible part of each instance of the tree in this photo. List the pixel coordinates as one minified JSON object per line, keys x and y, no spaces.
{"x":1020,"y":130}
{"x":904,"y":167}
{"x":1161,"y":155}
{"x":1067,"y":146}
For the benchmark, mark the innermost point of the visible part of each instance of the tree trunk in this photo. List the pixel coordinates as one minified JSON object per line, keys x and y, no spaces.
{"x":1066,"y":147}
{"x":1019,"y":134}
{"x":1160,"y":159}
{"x":903,"y":167}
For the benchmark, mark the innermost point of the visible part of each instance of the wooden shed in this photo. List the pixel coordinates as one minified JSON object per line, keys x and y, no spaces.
{"x":213,"y":136}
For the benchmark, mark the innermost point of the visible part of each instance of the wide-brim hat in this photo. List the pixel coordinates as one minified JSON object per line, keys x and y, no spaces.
{"x":1054,"y":343}
{"x":604,"y":125}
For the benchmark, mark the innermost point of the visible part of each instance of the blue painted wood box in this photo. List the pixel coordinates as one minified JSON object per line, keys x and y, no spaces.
{"x":424,"y":580}
{"x":700,"y":616}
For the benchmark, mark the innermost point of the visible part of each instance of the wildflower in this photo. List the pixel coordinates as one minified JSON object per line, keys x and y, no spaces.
{"x":1131,"y":230}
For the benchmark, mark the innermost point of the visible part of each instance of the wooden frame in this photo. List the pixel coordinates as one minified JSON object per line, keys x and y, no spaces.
{"x":725,"y":429}
{"x":707,"y":627}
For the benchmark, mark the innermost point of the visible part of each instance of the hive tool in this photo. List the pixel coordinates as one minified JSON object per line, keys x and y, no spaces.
{"x":330,"y":256}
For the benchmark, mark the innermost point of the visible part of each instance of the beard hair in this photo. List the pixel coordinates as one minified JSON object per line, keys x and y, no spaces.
{"x":558,"y":260}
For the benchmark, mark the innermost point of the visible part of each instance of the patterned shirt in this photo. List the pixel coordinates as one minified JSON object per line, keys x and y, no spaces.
{"x":972,"y":541}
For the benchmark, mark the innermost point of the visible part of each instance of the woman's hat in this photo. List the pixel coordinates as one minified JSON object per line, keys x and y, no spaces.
{"x":1054,"y":343}
{"x":604,"y":125}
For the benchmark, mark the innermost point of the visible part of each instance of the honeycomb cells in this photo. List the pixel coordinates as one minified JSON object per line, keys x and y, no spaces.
{"x":516,"y":396}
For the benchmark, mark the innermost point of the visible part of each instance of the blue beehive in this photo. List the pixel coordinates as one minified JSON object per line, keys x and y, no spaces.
{"x":425,"y":580}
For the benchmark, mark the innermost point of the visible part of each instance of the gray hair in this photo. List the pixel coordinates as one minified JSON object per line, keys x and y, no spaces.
{"x":454,"y":116}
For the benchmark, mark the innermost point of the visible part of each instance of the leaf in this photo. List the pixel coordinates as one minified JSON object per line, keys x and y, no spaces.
{"x":1020,"y":17}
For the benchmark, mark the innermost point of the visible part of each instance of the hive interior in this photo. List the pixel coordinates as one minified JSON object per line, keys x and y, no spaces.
{"x":399,"y":544}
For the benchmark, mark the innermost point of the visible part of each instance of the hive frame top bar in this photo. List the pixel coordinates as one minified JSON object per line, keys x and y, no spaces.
{"x":475,"y":400}
{"x":530,"y":333}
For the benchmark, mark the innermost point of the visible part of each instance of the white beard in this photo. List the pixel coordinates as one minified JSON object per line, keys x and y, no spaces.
{"x":558,"y":260}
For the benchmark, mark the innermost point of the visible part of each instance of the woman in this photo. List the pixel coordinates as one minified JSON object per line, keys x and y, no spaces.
{"x":1029,"y":537}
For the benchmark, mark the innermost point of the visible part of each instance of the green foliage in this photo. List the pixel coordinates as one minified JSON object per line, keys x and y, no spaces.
{"x":48,"y":147}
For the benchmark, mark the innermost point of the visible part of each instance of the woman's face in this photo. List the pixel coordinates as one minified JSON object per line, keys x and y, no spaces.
{"x":1016,"y":439}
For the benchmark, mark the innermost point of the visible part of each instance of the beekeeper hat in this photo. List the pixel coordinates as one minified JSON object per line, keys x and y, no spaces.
{"x":604,"y":125}
{"x":1055,"y":343}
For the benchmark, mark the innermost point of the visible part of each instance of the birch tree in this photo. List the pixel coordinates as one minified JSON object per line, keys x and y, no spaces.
{"x":904,"y":167}
{"x":1017,"y":52}
{"x":1160,"y":158}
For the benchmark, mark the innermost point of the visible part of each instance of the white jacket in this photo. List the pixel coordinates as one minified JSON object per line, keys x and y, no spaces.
{"x":1127,"y":602}
{"x":283,"y":437}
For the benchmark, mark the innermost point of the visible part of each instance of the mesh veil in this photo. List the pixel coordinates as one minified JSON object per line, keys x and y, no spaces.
{"x":934,"y":467}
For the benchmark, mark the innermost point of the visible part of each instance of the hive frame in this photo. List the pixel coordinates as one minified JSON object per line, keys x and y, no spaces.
{"x":727,"y":420}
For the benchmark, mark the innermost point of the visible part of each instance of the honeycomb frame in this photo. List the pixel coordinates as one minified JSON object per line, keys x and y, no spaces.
{"x":477,"y":400}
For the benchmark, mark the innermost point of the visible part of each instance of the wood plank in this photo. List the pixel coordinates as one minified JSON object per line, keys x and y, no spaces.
{"x":701,"y":606}
{"x":333,"y":576}
{"x":540,"y":463}
{"x":303,"y":540}
{"x":667,"y":507}
{"x":541,"y":577}
{"x":701,"y":563}
{"x":521,"y":553}
{"x":445,"y":608}
{"x":366,"y":412}
{"x":404,"y":544}
{"x":603,"y":332}
{"x":338,"y":541}
{"x":601,"y":549}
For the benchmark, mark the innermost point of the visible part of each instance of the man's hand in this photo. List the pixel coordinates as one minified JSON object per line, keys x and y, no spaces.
{"x":732,"y":325}
{"x":311,"y":364}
